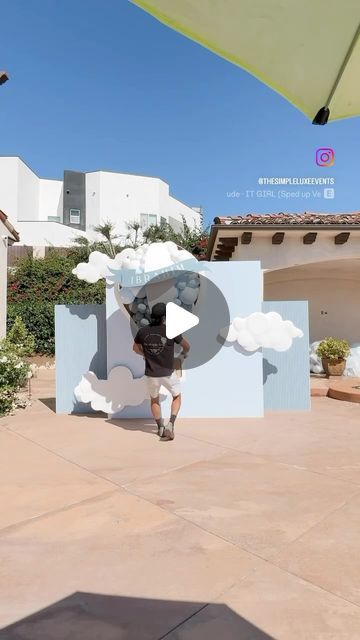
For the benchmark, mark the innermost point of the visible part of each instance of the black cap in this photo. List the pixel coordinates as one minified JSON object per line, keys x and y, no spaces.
{"x":158,"y":311}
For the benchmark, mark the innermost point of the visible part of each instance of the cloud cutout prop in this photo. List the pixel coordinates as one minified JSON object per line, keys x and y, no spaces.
{"x":267,"y":330}
{"x":113,"y":394}
{"x":96,"y":268}
{"x":147,"y":257}
{"x":120,"y":390}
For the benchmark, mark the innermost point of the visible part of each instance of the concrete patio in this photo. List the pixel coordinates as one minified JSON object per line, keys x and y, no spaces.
{"x":242,"y":529}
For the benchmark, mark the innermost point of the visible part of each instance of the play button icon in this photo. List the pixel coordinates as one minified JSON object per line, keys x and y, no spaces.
{"x":178,"y":320}
{"x":195,"y":307}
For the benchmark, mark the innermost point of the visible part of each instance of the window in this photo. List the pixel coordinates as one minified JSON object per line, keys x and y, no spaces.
{"x":175,"y":224}
{"x":54,"y":219}
{"x":162,"y":220}
{"x":74,"y":216}
{"x":147,"y":219}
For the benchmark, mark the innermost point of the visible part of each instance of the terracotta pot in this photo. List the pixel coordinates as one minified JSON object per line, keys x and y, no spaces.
{"x":334,"y":367}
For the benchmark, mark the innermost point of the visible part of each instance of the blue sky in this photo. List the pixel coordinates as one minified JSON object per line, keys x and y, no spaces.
{"x":102,"y":85}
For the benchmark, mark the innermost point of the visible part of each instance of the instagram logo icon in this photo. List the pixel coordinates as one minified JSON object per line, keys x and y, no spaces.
{"x":325,"y":157}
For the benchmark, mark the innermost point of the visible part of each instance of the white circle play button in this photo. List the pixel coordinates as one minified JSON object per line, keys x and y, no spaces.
{"x":178,"y":320}
{"x":194,"y":306}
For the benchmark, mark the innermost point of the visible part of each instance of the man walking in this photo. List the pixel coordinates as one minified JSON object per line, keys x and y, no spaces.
{"x":158,"y":350}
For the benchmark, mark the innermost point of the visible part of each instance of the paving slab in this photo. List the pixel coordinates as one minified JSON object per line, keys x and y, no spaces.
{"x":82,"y":555}
{"x":117,"y":545}
{"x":329,"y":554}
{"x":121,"y":451}
{"x":35,"y":481}
{"x":273,"y":605}
{"x":249,"y":501}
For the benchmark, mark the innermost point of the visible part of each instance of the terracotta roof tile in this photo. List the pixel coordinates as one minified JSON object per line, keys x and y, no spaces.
{"x":290,"y":218}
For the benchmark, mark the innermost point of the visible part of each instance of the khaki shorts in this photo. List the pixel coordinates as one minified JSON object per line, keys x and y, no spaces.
{"x":171,"y":383}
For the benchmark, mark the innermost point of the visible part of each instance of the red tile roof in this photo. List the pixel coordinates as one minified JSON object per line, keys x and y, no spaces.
{"x":290,"y":218}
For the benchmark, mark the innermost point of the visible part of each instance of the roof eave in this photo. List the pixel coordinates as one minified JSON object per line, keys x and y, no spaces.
{"x":215,"y":228}
{"x":13,"y":233}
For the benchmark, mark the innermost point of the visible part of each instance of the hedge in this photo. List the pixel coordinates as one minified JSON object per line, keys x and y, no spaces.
{"x":37,"y":284}
{"x":39,"y":320}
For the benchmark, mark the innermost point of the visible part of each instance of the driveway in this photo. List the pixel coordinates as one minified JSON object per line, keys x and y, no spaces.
{"x":243,"y":529}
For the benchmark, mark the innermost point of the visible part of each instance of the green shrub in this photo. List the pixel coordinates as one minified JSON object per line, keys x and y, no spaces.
{"x":22,"y":341}
{"x":13,"y":374}
{"x":333,"y":349}
{"x":7,"y":400}
{"x":50,"y":279}
{"x":39,"y":320}
{"x":36,"y":285}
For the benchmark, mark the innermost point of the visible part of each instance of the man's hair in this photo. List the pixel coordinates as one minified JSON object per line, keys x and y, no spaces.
{"x":158,"y":312}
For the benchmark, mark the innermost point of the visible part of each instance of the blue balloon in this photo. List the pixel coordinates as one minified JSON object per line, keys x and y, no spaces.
{"x":194,"y":284}
{"x":181,"y":285}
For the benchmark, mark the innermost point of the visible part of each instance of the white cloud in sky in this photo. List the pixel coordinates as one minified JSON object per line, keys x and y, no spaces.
{"x":267,"y":330}
{"x":147,"y":257}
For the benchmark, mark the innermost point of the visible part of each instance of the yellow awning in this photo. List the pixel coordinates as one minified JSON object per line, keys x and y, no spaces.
{"x":306,"y":50}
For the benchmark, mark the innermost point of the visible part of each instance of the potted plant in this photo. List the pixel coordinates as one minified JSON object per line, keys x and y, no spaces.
{"x":333,"y":353}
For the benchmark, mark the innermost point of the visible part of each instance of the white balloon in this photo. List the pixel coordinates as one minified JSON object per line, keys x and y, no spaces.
{"x":127,"y":253}
{"x":126,"y":295}
{"x":188,"y":295}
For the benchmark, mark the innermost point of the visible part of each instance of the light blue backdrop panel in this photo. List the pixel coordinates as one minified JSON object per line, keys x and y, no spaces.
{"x":80,"y":339}
{"x":286,"y":374}
{"x":231,"y":384}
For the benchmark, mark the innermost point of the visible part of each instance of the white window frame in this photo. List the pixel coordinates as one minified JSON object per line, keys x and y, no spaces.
{"x":145,"y":222}
{"x":72,"y":213}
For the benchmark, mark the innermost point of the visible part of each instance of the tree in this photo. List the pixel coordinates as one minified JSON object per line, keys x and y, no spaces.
{"x":193,"y":239}
{"x":19,"y":338}
{"x":133,"y":238}
{"x":106,"y":229}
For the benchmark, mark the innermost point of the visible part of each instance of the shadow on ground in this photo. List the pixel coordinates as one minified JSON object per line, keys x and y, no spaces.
{"x":89,"y":616}
{"x":135,"y":424}
{"x":50,"y":403}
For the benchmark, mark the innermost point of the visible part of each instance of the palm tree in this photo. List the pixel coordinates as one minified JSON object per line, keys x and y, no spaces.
{"x":133,"y":238}
{"x":106,"y":229}
{"x":194,"y":239}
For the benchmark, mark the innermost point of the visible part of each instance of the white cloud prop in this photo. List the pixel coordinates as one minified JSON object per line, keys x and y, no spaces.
{"x":147,"y":257}
{"x":96,"y":268}
{"x":267,"y":330}
{"x":120,"y":390}
{"x":113,"y":394}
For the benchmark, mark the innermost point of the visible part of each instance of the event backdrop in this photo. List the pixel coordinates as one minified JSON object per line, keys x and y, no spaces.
{"x":96,"y":368}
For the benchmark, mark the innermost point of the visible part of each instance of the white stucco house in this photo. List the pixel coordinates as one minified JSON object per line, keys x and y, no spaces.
{"x":52,"y":212}
{"x":309,"y":256}
{"x":8,"y":236}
